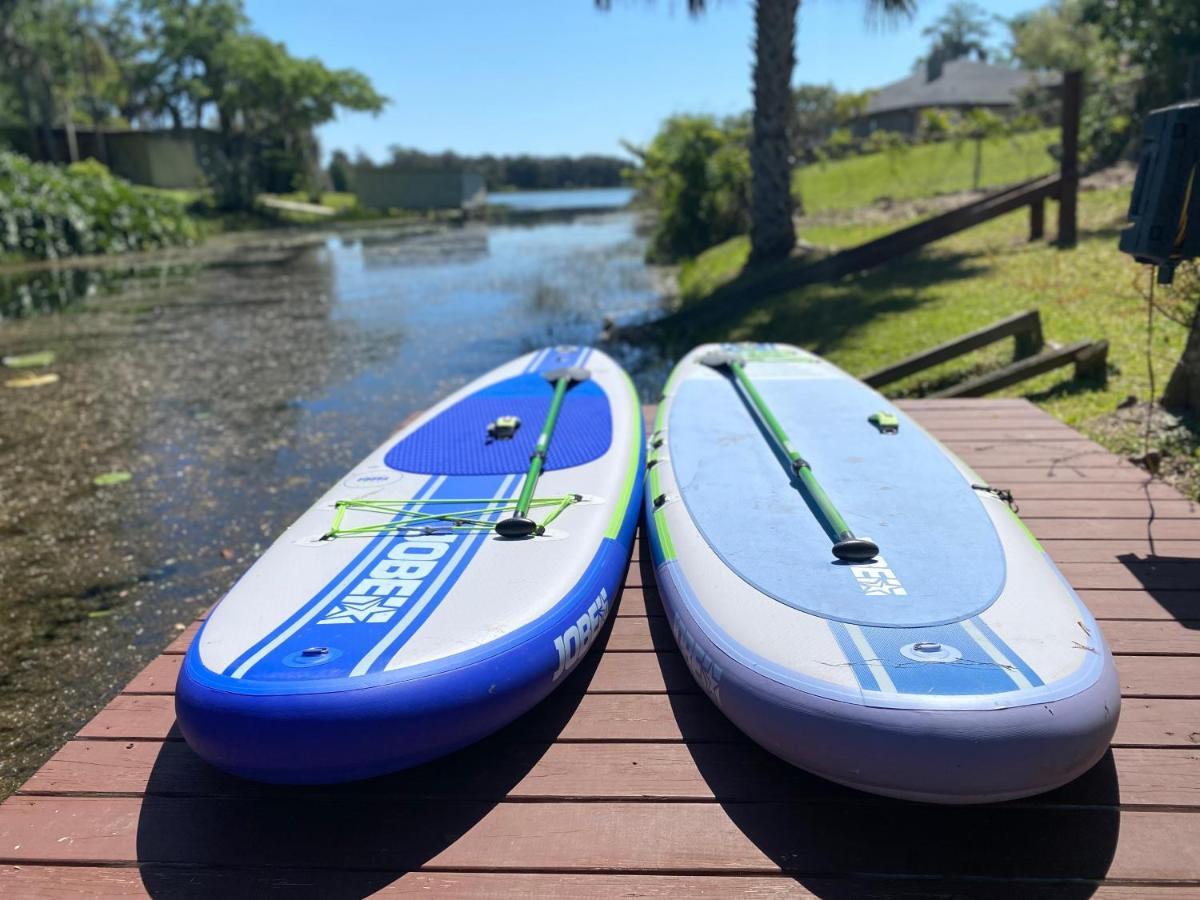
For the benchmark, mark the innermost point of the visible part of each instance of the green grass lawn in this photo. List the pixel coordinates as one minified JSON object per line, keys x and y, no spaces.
{"x":923,"y":171}
{"x":960,"y":284}
{"x":340,"y":201}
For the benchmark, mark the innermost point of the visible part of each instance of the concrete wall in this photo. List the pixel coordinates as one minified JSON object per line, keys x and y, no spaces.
{"x":407,"y":189}
{"x":160,"y":158}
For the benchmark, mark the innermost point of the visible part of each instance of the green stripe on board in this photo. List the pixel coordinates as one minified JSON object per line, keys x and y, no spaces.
{"x":618,"y":516}
{"x":664,"y":536}
{"x":1025,"y":528}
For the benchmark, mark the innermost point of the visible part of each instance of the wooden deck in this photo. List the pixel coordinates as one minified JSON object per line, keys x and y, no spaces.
{"x":629,"y":782}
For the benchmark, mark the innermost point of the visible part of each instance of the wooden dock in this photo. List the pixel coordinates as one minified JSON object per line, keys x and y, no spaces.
{"x":628,"y":782}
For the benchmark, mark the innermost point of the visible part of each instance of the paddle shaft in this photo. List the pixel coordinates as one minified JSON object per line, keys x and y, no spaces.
{"x":803,"y":470}
{"x":538,"y":459}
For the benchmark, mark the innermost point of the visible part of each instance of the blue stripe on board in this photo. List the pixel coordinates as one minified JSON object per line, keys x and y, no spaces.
{"x":537,"y":358}
{"x":358,"y":618}
{"x":320,"y":595}
{"x":476,"y":541}
{"x":561,"y":357}
{"x":862,"y":672}
{"x":1022,"y":666}
{"x":975,"y":674}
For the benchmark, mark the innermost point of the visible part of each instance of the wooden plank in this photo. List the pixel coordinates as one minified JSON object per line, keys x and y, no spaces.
{"x":1135,"y":604}
{"x":1159,"y":676}
{"x":1055,"y":489}
{"x":1009,"y":433}
{"x":183,"y":640}
{"x":647,"y":837}
{"x":639,"y":601}
{"x":1023,"y":323}
{"x":48,"y":882}
{"x":630,"y":717}
{"x":1155,"y":576}
{"x":158,"y":677}
{"x":1118,"y":529}
{"x":971,"y":404}
{"x":650,"y":633}
{"x":734,"y":771}
{"x":1082,"y":353}
{"x":1098,"y":478}
{"x":1158,"y":723}
{"x":1134,"y":508}
{"x":1099,"y":550}
{"x":1051,"y":444}
{"x":1162,"y":638}
{"x":978,"y":415}
{"x":1038,"y":456}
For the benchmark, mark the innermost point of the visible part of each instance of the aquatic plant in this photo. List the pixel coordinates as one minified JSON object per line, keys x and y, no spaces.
{"x":51,"y":212}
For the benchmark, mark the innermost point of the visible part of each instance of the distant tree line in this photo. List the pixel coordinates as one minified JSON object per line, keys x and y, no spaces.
{"x":523,"y":172}
{"x":119,"y":64}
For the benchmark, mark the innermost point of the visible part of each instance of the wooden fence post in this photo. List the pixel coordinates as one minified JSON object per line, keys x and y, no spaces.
{"x":1072,"y":99}
{"x":1037,"y":219}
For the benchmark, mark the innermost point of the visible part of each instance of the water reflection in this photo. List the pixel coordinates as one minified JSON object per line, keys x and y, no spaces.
{"x":53,"y":290}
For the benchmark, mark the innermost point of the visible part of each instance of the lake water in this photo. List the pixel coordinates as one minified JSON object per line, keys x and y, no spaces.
{"x":234,"y":387}
{"x":583,"y":198}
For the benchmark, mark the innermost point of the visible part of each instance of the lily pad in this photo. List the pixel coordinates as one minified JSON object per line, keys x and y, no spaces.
{"x":29,"y":360}
{"x":111,"y":478}
{"x":31,"y":381}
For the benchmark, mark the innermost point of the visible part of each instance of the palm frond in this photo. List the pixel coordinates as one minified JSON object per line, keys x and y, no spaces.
{"x":889,"y":13}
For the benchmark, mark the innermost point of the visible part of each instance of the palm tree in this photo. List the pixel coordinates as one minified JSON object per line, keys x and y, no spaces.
{"x":961,"y":31}
{"x":772,"y":234}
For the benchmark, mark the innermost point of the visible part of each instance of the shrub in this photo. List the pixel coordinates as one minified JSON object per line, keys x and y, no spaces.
{"x":48,"y":212}
{"x":696,"y":174}
{"x":840,"y":144}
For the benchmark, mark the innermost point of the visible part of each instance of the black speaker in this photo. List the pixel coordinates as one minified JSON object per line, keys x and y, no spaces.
{"x":1165,"y":207}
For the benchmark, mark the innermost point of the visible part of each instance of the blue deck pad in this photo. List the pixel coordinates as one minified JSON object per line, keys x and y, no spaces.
{"x":362,"y":619}
{"x":974,"y":673}
{"x":941,"y":559}
{"x":456,"y":442}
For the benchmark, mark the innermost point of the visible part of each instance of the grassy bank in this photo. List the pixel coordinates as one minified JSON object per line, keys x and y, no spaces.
{"x":923,"y":171}
{"x":960,"y":284}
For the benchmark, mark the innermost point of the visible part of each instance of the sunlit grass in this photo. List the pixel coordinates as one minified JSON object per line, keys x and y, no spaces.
{"x":923,"y":171}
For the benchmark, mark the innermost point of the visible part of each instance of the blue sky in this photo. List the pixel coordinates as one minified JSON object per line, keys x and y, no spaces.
{"x":557,"y":76}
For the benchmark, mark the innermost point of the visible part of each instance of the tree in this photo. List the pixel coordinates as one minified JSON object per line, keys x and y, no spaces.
{"x":772,"y":233}
{"x":696,"y":172}
{"x":1162,"y":38}
{"x":179,"y":75}
{"x":814,"y":115}
{"x":268,"y":104}
{"x":960,"y":32}
{"x":195,"y":63}
{"x":1057,"y":38}
{"x":339,"y":171}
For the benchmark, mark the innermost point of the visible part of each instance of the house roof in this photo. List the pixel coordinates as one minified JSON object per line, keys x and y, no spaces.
{"x":961,"y":83}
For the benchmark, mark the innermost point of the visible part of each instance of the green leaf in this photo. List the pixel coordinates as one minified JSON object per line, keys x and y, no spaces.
{"x":29,"y":360}
{"x":111,"y":478}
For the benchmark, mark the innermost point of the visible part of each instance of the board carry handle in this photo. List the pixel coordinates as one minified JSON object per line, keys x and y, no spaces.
{"x":846,"y":546}
{"x":519,"y":524}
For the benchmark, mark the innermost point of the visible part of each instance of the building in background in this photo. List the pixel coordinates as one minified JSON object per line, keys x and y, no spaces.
{"x":959,"y":85}
{"x":391,"y":188}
